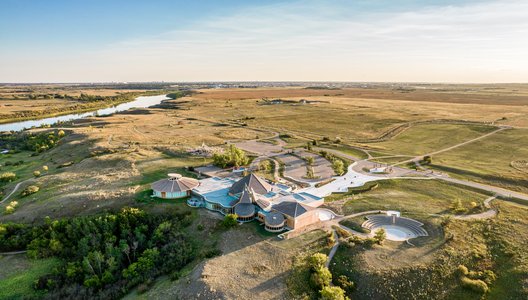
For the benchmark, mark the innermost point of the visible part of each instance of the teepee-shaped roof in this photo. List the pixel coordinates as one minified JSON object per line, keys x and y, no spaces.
{"x":253,"y":182}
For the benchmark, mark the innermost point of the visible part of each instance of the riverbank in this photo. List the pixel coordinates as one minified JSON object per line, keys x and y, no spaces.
{"x":142,"y":101}
{"x":79,"y":108}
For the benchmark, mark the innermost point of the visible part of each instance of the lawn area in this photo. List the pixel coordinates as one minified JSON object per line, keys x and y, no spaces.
{"x":19,"y":283}
{"x":418,"y":198}
{"x":422,"y":139}
{"x":489,"y":160}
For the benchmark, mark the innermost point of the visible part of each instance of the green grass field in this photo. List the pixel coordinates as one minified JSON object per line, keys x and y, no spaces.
{"x":489,"y":160}
{"x":19,"y":284}
{"x":418,"y":198}
{"x":422,"y":139}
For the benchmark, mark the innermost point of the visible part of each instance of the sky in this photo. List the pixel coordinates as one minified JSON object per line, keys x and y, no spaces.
{"x":264,"y":40}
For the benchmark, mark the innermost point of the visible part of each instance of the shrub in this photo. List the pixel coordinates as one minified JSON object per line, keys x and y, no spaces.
{"x":7,"y":177}
{"x":345,"y":283}
{"x":36,"y":173}
{"x":475,"y":285}
{"x":462,"y":270}
{"x":317,"y":261}
{"x":321,"y":278}
{"x":32,"y":189}
{"x":333,"y":293}
{"x":380,"y":236}
{"x":230,"y":220}
{"x":45,"y":168}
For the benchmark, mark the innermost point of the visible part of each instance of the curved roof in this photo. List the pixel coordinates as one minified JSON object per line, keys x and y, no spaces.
{"x":253,"y":182}
{"x":245,"y":209}
{"x":274,"y":219}
{"x":175,"y":184}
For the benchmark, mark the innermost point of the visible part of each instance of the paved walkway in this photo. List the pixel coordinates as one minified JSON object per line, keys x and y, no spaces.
{"x":491,"y":213}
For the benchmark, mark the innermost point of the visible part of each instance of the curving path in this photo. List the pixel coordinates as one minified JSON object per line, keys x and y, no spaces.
{"x":14,"y":190}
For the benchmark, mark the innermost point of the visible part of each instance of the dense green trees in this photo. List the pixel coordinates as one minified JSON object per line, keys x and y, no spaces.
{"x":37,"y":142}
{"x":106,"y":255}
{"x":231,"y":157}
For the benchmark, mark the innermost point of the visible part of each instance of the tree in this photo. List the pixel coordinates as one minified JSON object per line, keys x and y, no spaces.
{"x":232,"y":157}
{"x":45,"y":168}
{"x":317,"y":261}
{"x":457,"y":206}
{"x":36,"y":173}
{"x":309,"y":146}
{"x":310,"y":160}
{"x":338,"y":166}
{"x":230,"y":220}
{"x":265,"y":165}
{"x":427,"y":160}
{"x":333,"y":293}
{"x":321,"y":277}
{"x":380,"y":236}
{"x":32,"y":189}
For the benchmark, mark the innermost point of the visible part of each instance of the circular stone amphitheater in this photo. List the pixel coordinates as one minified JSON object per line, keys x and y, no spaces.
{"x":396,"y":228}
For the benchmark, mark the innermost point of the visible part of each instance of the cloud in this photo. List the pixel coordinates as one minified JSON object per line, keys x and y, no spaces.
{"x":477,"y":42}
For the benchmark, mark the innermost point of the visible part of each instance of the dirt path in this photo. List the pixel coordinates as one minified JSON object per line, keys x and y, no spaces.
{"x":14,"y":190}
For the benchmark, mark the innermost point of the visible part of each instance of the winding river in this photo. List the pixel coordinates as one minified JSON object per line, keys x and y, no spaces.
{"x":139,"y":102}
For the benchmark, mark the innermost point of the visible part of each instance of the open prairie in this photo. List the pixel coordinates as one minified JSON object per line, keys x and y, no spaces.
{"x":105,"y":163}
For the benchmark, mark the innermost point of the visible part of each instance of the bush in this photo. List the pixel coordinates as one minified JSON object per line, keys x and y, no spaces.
{"x":32,"y":189}
{"x":317,"y":261}
{"x":230,"y":220}
{"x":345,"y":283}
{"x":462,"y":270}
{"x":333,"y":293}
{"x":36,"y":173}
{"x":475,"y":285}
{"x":7,"y":177}
{"x":321,"y":278}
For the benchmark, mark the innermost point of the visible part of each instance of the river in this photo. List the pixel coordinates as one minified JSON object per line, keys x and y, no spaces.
{"x":139,"y":102}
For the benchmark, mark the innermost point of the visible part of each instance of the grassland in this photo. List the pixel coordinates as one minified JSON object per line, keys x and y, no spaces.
{"x":17,"y":281}
{"x":426,"y":138}
{"x":489,"y":160}
{"x":414,"y":198}
{"x":117,"y":157}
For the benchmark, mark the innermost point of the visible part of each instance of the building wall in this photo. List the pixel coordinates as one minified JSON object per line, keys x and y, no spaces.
{"x":309,"y":217}
{"x":174,"y":195}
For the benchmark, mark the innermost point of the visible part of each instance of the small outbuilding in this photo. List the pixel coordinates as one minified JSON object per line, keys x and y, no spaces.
{"x":174,"y":187}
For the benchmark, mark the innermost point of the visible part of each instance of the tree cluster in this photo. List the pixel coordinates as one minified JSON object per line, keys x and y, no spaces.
{"x":104,"y":256}
{"x":231,"y":157}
